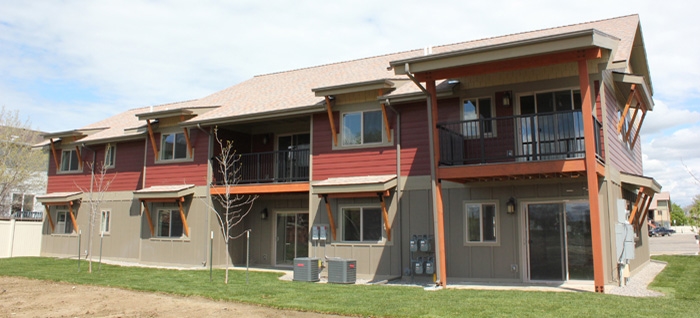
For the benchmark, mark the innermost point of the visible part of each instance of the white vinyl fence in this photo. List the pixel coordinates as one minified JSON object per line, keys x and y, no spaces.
{"x":20,"y":238}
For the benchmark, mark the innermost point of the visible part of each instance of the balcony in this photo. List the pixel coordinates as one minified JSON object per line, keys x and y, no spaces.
{"x":515,"y":139}
{"x":283,"y":166}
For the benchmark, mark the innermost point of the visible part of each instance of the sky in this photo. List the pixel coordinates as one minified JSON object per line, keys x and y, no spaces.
{"x":66,"y":64}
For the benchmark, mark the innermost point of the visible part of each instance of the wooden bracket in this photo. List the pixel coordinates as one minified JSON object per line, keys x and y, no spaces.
{"x":189,"y":144}
{"x":633,"y":88}
{"x":153,"y":139}
{"x":386,"y":122}
{"x":53,"y":152}
{"x":331,"y":220}
{"x":48,"y":215}
{"x":182,"y":216}
{"x":330,"y":119}
{"x":80,"y":157}
{"x":385,"y":215}
{"x":72,"y":217}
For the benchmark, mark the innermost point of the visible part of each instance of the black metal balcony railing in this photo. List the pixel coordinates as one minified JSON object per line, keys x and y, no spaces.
{"x":274,"y":166}
{"x":544,"y":136}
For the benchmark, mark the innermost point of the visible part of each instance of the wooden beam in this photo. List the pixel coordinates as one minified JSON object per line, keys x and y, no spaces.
{"x":635,"y":207}
{"x":53,"y":152}
{"x":48,"y":215}
{"x":72,"y":218}
{"x":331,"y":220}
{"x":297,"y":187}
{"x":353,"y":195}
{"x":148,"y":217}
{"x":512,"y":169}
{"x":511,"y":64}
{"x":330,"y":119}
{"x":386,"y":122}
{"x":639,"y":128}
{"x":187,"y":139}
{"x":592,"y":177}
{"x":153,"y":139}
{"x":633,"y":87}
{"x":385,"y":216}
{"x":184,"y":218}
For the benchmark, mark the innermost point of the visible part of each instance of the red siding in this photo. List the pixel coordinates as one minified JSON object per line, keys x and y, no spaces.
{"x":415,"y":152}
{"x":126,"y":174}
{"x":618,"y":155}
{"x":190,"y":172}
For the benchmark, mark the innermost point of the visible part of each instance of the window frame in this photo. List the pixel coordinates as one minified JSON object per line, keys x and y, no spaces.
{"x":67,"y":223}
{"x":463,"y":114}
{"x":110,"y":156}
{"x":172,"y":211}
{"x":78,"y":168}
{"x":496,"y":218}
{"x":345,"y":208}
{"x":361,"y":110}
{"x":161,"y":152}
{"x":105,"y":227}
{"x":22,"y":202}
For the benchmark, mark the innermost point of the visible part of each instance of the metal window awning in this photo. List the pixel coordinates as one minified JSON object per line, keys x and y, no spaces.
{"x":165,"y":194}
{"x":356,"y":187}
{"x":58,"y":199}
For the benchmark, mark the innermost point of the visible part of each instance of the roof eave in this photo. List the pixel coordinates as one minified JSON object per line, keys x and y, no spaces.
{"x":354,"y":87}
{"x":303,"y":110}
{"x":640,"y":82}
{"x":541,"y":45}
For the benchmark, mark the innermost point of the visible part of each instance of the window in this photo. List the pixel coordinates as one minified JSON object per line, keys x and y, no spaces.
{"x":173,"y":146}
{"x":169,"y":223}
{"x":22,"y":202}
{"x":361,"y":128}
{"x":110,"y":155}
{"x":481,"y":223}
{"x":64,"y":225}
{"x":105,"y":221}
{"x":474,"y":109}
{"x":70,"y":160}
{"x":362,"y":224}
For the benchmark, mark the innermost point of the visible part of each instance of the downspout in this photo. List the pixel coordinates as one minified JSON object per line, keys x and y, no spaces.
{"x":398,"y":177}
{"x":433,"y":172}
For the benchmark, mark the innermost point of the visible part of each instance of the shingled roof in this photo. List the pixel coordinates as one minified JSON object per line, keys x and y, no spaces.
{"x":288,"y":92}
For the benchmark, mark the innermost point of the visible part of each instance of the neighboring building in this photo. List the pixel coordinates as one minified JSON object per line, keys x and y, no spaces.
{"x":518,"y":156}
{"x":660,"y":210}
{"x":23,"y":178}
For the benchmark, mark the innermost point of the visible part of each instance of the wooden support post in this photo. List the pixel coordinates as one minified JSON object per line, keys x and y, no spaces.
{"x":72,"y":217}
{"x":48,"y":215}
{"x":330,"y":119}
{"x":331,"y":220}
{"x":386,"y":122}
{"x":385,"y":215}
{"x":182,"y":216}
{"x":440,"y":214}
{"x":187,"y":139}
{"x":153,"y":139}
{"x":592,"y":177}
{"x":55,"y":156}
{"x":148,"y":216}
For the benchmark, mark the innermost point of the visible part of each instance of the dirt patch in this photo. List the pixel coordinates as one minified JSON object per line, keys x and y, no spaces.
{"x":21,"y":297}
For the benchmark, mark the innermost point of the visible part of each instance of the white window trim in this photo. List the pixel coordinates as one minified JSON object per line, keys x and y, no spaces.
{"x":188,"y":157}
{"x":62,"y":231}
{"x":157,"y":230}
{"x":341,"y":240}
{"x":465,"y":225}
{"x":368,"y":107}
{"x":109,"y":223}
{"x":60,"y":171}
{"x":493,"y":132}
{"x":114,"y":154}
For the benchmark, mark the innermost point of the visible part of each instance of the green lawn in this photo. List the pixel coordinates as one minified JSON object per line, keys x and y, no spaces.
{"x":680,"y":281}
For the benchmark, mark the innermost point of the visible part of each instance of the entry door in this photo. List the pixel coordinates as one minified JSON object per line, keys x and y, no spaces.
{"x":546,"y":242}
{"x":292,"y":237}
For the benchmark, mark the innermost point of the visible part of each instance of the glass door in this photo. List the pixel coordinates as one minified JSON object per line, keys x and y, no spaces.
{"x":546,"y":242}
{"x":292,"y":237}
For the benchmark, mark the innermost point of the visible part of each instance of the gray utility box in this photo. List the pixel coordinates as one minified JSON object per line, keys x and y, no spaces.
{"x":342,"y":271}
{"x":306,"y":269}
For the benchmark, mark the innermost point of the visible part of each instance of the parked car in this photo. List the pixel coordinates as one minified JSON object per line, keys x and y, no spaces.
{"x":661,"y":231}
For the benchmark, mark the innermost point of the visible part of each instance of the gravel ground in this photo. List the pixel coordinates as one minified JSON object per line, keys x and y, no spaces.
{"x":637,"y":285}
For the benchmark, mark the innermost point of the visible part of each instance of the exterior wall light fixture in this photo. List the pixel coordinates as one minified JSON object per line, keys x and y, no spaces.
{"x":510,"y":206}
{"x":263,"y":214}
